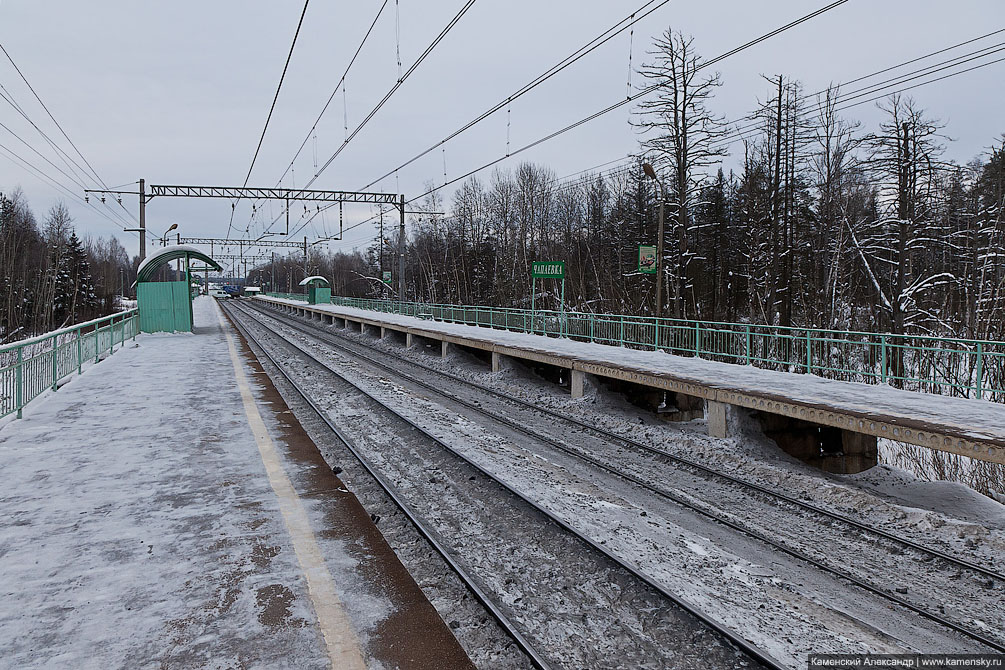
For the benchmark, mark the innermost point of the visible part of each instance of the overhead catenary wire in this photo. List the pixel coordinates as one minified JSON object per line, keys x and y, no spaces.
{"x":876,"y":90}
{"x":373,"y":112}
{"x":418,"y":61}
{"x":272,"y":108}
{"x":601,"y":112}
{"x":644,"y":11}
{"x":345,"y":106}
{"x":641,"y":93}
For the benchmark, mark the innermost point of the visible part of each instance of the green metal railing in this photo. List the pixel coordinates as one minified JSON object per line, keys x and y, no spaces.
{"x":29,"y":367}
{"x":947,"y":365}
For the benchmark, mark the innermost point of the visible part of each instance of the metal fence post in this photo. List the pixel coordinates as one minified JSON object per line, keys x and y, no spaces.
{"x":748,"y":344}
{"x":697,"y":339}
{"x":882,"y":363}
{"x":622,"y":330}
{"x":97,"y":337}
{"x":80,"y":354}
{"x":55,"y":362}
{"x":19,"y":380}
{"x":809,"y":353}
{"x":980,"y":368}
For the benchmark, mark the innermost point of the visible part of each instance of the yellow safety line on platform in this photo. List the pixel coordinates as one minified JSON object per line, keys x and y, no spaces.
{"x":343,"y":645}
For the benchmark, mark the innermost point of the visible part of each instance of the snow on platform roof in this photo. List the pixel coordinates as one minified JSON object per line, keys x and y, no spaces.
{"x":316,"y":278}
{"x":168,"y":254}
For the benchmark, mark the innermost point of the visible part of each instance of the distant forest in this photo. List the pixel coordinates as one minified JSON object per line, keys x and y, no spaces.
{"x":49,"y":276}
{"x":821,"y":223}
{"x":827,"y":224}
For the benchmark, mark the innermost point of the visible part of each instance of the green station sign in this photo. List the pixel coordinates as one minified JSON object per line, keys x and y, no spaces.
{"x":386,"y":278}
{"x":547,"y":269}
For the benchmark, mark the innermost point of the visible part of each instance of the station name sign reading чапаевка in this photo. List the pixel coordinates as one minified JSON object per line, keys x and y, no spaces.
{"x":547,"y":269}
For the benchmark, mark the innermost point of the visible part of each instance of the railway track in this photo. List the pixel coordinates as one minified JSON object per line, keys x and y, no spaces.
{"x":627,"y":617}
{"x":898,"y":546}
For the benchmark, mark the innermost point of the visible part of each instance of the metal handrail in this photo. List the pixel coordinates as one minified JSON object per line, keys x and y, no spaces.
{"x":31,"y":366}
{"x":949,"y":365}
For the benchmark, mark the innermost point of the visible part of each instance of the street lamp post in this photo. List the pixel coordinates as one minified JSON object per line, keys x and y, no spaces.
{"x":651,"y":173}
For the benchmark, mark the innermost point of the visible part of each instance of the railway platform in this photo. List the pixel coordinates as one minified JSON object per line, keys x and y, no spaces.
{"x":796,"y":408}
{"x":165,"y":509}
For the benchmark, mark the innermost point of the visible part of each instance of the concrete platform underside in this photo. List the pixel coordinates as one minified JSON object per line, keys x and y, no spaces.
{"x":151,"y":520}
{"x":857,"y":413}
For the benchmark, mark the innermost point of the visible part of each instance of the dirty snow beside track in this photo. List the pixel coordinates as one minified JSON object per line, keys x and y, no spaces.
{"x":577,"y":497}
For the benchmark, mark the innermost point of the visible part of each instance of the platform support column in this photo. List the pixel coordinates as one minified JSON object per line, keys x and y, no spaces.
{"x":409,"y":340}
{"x":497,"y":361}
{"x":362,"y":328}
{"x":715,"y":413}
{"x":444,"y":348}
{"x":576,"y":383}
{"x":860,"y":451}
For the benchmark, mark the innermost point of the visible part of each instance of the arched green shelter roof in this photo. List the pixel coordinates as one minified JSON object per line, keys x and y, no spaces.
{"x":148,"y":268}
{"x":316,"y":279}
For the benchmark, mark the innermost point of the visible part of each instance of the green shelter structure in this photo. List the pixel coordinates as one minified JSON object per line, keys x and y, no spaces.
{"x":166,"y":306}
{"x":319,"y":290}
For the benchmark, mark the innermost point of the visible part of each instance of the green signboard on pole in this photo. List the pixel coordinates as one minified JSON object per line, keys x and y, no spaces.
{"x":387,"y":277}
{"x":547,"y":270}
{"x":647,"y":259}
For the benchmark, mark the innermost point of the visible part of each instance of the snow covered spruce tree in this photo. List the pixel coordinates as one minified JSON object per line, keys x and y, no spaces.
{"x":684,"y":139}
{"x":58,"y":290}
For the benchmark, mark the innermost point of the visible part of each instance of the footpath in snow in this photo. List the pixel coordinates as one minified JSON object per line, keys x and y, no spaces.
{"x":157,"y":514}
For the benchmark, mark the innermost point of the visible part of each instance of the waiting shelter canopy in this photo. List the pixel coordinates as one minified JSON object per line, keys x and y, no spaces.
{"x":166,"y":306}
{"x":318,"y":290}
{"x":148,"y":268}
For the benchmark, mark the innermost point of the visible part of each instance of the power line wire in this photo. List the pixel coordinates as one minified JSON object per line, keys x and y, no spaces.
{"x":397,"y":85}
{"x":745,"y":132}
{"x":275,"y":98}
{"x":422,"y":57}
{"x":645,"y":91}
{"x":576,"y":55}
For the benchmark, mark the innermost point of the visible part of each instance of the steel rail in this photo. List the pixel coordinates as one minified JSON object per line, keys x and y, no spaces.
{"x":646,"y":485}
{"x":961,"y":562}
{"x":738,"y":641}
{"x":536,"y":659}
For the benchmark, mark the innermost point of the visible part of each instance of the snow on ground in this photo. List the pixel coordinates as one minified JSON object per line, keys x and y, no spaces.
{"x":961,"y":521}
{"x":140,"y":529}
{"x":980,"y":419}
{"x":809,"y":612}
{"x":908,"y":491}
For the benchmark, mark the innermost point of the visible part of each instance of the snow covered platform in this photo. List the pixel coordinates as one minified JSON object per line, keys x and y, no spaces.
{"x":165,"y":509}
{"x":972,"y":428}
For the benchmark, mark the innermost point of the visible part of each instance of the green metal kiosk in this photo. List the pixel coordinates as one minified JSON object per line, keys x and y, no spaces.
{"x":166,"y":306}
{"x":319,"y":290}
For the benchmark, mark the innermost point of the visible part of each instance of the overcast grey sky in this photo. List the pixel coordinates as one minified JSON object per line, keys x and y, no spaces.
{"x":177,"y":93}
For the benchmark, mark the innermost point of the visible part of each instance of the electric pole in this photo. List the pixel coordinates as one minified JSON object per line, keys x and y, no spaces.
{"x":143,"y":220}
{"x":401,"y":252}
